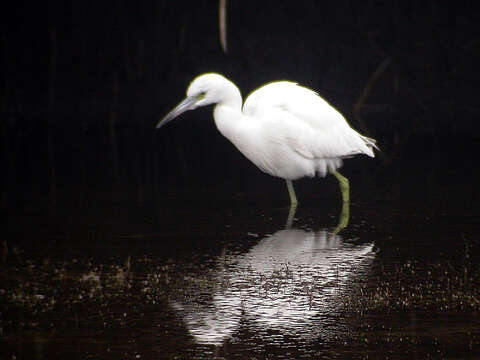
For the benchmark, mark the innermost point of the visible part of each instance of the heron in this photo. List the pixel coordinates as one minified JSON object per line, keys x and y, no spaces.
{"x":286,"y":130}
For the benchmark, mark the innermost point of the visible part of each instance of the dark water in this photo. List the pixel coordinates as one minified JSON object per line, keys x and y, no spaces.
{"x":226,"y":278}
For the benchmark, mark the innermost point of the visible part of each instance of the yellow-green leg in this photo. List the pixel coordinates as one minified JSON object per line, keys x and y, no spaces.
{"x":291,"y":193}
{"x":344,"y":186}
{"x":345,"y":190}
{"x":291,"y":216}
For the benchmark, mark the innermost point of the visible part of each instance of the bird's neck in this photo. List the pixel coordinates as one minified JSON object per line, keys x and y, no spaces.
{"x":225,"y":117}
{"x":228,"y":115}
{"x":229,"y":120}
{"x":242,"y":130}
{"x":230,"y":96}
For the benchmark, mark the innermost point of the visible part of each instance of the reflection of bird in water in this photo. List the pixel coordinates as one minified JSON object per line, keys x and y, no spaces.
{"x":286,"y":130}
{"x":286,"y":282}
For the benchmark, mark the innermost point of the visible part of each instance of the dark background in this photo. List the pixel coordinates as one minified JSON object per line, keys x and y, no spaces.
{"x":83,"y":84}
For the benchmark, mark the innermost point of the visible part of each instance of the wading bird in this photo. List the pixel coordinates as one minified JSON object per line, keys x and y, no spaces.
{"x":286,"y":130}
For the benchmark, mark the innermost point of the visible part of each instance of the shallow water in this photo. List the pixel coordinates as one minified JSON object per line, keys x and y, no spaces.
{"x":201,"y":281}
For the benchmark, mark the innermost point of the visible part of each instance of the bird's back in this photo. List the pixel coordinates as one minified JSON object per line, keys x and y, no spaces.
{"x":320,"y":129}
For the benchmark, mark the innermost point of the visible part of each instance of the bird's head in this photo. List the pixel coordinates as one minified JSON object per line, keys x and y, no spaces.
{"x":204,"y":90}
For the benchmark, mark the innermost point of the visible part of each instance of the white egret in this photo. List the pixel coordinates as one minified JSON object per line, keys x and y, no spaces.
{"x":286,"y":130}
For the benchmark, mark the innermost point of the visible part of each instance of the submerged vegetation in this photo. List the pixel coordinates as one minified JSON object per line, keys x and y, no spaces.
{"x":412,"y":286}
{"x":55,"y":294}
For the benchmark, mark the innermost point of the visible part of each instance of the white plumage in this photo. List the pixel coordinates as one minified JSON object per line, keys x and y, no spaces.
{"x":285,"y":129}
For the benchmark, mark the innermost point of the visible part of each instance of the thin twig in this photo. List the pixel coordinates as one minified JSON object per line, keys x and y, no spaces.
{"x":222,"y":24}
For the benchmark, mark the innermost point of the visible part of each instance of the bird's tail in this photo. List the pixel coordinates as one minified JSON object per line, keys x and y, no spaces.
{"x":371,"y":144}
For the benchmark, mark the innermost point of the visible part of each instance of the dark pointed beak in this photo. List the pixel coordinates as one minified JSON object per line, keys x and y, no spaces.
{"x":187,"y":104}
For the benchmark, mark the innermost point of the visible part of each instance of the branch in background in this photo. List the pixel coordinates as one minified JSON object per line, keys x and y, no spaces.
{"x":366,"y":91}
{"x":396,"y":68}
{"x":222,"y":24}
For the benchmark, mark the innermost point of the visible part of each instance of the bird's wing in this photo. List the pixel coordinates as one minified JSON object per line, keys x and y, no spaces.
{"x":305,"y":121}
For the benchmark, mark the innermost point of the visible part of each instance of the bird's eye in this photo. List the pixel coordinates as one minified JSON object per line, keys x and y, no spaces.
{"x":202,"y":94}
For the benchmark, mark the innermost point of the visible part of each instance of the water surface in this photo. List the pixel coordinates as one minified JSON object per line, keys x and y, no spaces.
{"x":199,"y":280}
